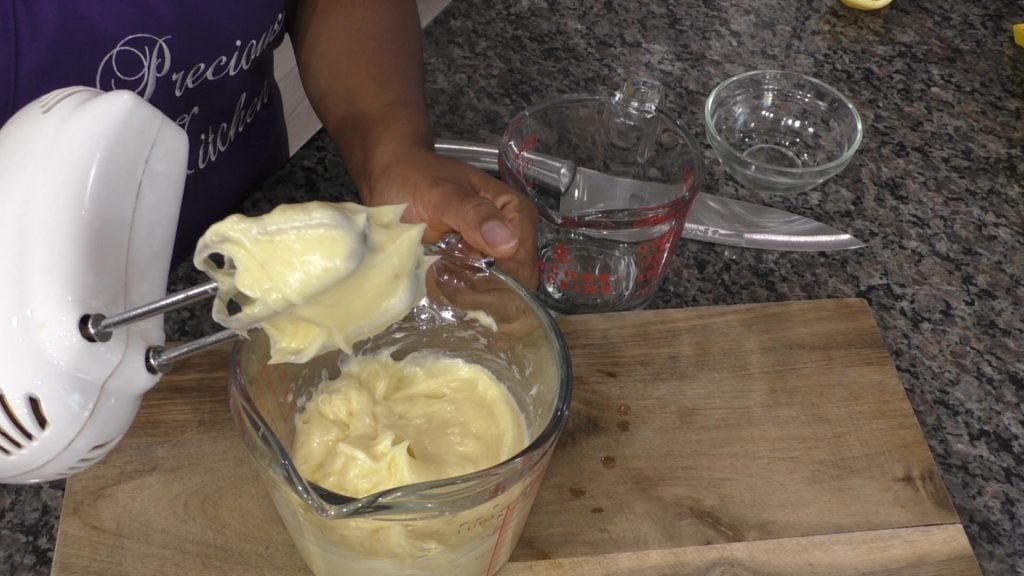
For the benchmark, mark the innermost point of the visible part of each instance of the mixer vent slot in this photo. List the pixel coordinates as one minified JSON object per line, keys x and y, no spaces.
{"x":101,"y":446}
{"x":14,"y":420}
{"x":37,"y":411}
{"x":8,"y":437}
{"x":94,"y":454}
{"x":16,"y":432}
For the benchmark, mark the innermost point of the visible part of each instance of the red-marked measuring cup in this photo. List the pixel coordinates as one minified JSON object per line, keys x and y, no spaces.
{"x":613,"y":178}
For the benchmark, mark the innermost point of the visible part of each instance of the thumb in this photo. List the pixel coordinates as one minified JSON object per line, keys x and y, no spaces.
{"x":483,"y":226}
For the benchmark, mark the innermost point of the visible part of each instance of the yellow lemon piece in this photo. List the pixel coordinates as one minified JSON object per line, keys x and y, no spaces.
{"x":1018,"y":34}
{"x":866,"y":4}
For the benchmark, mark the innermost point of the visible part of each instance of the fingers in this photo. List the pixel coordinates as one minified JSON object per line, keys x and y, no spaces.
{"x":450,"y":195}
{"x":499,"y":224}
{"x":481,"y":224}
{"x":521,"y":216}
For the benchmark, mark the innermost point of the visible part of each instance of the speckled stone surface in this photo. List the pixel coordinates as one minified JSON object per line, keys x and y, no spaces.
{"x":935,"y":192}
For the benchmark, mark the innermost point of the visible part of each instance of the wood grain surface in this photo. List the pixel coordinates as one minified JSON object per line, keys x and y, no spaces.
{"x":761,"y":439}
{"x":925,"y":551}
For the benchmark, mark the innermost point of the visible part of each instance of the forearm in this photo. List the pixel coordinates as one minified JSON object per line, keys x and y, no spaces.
{"x":361,"y":66}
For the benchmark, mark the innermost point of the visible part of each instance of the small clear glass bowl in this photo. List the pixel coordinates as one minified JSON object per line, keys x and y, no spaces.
{"x":778,"y":131}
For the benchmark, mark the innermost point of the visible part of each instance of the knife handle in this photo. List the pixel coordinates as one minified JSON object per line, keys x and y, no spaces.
{"x":547,"y":170}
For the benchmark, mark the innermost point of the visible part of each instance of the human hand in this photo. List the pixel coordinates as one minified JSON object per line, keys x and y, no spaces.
{"x":448,"y":195}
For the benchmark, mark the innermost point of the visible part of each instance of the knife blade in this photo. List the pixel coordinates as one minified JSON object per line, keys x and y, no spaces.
{"x":712,"y":218}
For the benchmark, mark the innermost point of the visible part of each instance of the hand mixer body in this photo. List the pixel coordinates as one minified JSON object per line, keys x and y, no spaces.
{"x":90,"y":189}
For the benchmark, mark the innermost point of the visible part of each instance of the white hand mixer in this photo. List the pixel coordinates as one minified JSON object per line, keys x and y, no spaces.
{"x":91,"y":184}
{"x":90,"y":188}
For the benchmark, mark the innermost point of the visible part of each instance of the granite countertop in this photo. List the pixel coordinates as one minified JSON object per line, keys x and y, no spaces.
{"x":935,"y":191}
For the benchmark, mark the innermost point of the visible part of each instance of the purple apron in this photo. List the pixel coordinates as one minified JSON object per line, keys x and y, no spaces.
{"x":207,"y":65}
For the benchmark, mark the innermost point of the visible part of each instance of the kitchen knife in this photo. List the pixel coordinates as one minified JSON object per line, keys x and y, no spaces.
{"x":712,"y":218}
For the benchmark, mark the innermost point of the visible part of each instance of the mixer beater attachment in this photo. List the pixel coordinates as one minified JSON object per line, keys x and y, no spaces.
{"x":99,"y":328}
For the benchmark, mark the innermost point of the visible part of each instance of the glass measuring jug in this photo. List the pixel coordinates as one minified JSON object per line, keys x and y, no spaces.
{"x":613,"y":178}
{"x":463,"y":526}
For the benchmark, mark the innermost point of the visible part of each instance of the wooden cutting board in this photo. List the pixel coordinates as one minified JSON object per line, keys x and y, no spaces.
{"x":745,"y":440}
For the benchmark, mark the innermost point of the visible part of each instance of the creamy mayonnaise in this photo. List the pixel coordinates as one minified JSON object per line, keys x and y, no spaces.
{"x":316,"y":276}
{"x":320,"y":276}
{"x":385,"y":423}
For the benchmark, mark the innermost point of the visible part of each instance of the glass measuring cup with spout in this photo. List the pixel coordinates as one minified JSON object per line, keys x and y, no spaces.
{"x":462,"y":526}
{"x":613,"y":178}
